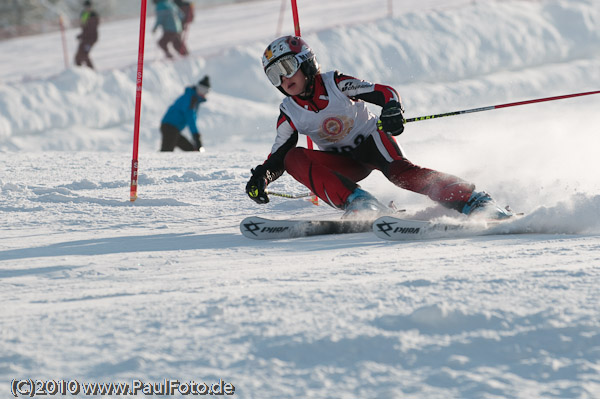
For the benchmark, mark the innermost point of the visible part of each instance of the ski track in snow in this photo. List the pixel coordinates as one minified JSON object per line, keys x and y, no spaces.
{"x":99,"y":289}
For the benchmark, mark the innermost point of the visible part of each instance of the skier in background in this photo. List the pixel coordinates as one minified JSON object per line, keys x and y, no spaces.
{"x":168,"y":15}
{"x":89,"y":21}
{"x":182,"y":113}
{"x":330,"y":108}
{"x":187,"y":11}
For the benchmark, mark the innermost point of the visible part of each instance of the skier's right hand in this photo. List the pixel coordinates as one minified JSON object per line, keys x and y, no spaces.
{"x":256,"y":188}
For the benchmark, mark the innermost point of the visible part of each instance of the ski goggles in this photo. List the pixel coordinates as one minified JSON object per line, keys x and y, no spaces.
{"x":285,"y":66}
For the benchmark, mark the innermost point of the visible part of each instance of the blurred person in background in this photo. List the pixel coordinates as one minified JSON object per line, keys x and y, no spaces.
{"x":182,"y":113}
{"x":187,"y":9}
{"x":89,"y":21}
{"x":169,"y":16}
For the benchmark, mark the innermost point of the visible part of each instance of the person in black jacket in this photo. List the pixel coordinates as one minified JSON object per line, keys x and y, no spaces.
{"x":89,"y":21}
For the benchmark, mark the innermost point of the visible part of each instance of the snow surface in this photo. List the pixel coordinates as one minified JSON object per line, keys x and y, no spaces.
{"x":99,"y":289}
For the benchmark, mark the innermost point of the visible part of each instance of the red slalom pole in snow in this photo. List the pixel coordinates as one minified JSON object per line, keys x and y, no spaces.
{"x":64,"y":41}
{"x":280,"y":21}
{"x":138,"y":105}
{"x":309,"y":144}
{"x":296,"y":19}
{"x":468,"y":111}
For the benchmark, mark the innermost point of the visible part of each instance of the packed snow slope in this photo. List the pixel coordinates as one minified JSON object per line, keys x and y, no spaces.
{"x":97,"y":289}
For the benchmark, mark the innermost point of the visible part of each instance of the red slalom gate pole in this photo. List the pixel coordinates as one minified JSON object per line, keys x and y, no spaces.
{"x":309,"y":144}
{"x":64,"y":41}
{"x":138,"y":105}
{"x":296,"y":19}
{"x":280,"y":21}
{"x":468,"y":111}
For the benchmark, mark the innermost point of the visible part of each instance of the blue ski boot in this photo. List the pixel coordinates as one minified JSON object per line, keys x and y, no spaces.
{"x":362,"y":205}
{"x":481,"y":205}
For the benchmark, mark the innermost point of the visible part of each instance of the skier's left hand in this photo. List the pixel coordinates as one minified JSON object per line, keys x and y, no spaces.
{"x":391,"y":119}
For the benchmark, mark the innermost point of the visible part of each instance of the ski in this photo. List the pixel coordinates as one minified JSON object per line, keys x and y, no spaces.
{"x":397,"y":229}
{"x":259,"y":228}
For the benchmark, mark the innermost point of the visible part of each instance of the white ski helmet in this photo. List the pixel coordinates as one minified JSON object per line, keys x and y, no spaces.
{"x":284,"y":56}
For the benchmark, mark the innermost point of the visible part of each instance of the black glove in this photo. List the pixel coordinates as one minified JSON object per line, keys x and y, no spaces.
{"x":391,"y":118}
{"x":256,"y":187}
{"x":197,"y":141}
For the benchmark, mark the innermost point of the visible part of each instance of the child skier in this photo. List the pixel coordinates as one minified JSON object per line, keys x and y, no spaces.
{"x":330,"y":109}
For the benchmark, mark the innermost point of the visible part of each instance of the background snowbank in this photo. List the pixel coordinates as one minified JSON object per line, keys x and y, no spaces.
{"x":439,"y":61}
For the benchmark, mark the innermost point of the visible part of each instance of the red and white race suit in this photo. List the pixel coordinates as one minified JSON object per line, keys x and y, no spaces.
{"x":351,"y":146}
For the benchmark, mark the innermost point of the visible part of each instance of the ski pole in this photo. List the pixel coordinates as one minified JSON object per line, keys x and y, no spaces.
{"x":468,"y":111}
{"x":291,"y":196}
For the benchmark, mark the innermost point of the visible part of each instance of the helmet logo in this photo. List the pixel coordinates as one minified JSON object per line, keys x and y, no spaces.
{"x":295,"y":44}
{"x":268,"y":53}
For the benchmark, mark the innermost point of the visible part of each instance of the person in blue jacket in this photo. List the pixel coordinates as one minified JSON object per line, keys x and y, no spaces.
{"x":168,"y":15}
{"x":183,"y":113}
